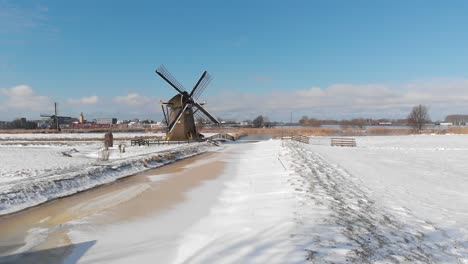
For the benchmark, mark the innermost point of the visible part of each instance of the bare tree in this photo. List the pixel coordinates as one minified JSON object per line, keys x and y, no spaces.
{"x":259,"y":121}
{"x":306,"y":121}
{"x":418,"y":117}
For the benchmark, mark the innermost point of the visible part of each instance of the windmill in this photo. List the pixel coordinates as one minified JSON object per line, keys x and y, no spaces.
{"x":179,"y":111}
{"x":54,"y":119}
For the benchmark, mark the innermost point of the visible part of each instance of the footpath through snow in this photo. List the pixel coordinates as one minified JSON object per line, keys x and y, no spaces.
{"x":255,"y":217}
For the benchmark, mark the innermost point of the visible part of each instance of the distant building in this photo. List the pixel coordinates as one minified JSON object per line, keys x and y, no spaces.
{"x":244,"y":123}
{"x":82,"y":118}
{"x":42,"y":123}
{"x":158,"y":125}
{"x":106,"y":121}
{"x":457,"y":120}
{"x":123,"y":122}
{"x":65,"y":120}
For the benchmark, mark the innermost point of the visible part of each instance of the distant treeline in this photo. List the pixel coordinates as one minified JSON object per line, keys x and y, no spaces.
{"x":20,"y":123}
{"x":356,"y":122}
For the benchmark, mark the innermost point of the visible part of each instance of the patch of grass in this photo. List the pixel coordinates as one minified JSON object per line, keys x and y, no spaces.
{"x":458,"y":130}
{"x":389,"y":131}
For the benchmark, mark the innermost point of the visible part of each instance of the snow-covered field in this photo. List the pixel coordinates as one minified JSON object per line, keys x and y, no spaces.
{"x":74,"y":136}
{"x":418,"y":182}
{"x":37,"y":171}
{"x":391,"y":199}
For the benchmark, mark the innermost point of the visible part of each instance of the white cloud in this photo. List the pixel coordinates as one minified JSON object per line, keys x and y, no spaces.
{"x":90,"y":100}
{"x":335,"y":101}
{"x":348,"y":100}
{"x":18,"y":91}
{"x":22,"y":99}
{"x":132,"y":99}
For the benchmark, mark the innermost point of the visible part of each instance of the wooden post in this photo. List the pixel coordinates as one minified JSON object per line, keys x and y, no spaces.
{"x":108,"y":140}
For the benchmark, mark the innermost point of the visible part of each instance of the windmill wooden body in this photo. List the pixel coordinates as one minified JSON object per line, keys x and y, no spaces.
{"x":54,"y":119}
{"x":180,"y":110}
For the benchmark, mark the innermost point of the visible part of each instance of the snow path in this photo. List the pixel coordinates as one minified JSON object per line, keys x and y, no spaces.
{"x":358,"y":229}
{"x":254,"y":217}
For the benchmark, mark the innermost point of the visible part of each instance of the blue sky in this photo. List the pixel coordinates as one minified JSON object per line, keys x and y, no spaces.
{"x":325,"y":59}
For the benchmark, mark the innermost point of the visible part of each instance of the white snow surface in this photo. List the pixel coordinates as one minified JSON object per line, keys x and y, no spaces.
{"x":253,"y":220}
{"x":250,"y":220}
{"x":71,"y":136}
{"x":415,"y":183}
{"x":37,"y":171}
{"x":426,"y":173}
{"x":391,"y":199}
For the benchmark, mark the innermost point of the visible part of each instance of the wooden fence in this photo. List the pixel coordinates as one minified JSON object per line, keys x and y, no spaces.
{"x":343,"y":142}
{"x":298,"y":138}
{"x":147,"y":142}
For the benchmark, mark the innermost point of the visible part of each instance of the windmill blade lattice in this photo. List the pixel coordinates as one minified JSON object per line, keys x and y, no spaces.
{"x":166,"y":75}
{"x":202,"y":86}
{"x":207,"y":114}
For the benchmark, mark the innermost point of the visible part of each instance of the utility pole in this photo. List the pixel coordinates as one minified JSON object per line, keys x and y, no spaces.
{"x":56,"y":118}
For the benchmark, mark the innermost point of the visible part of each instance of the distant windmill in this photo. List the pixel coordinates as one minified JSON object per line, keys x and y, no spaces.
{"x":179,"y":111}
{"x":54,"y":119}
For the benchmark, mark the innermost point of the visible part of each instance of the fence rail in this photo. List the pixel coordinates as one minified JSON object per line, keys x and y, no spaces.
{"x":343,"y":142}
{"x":147,"y":142}
{"x":298,"y":138}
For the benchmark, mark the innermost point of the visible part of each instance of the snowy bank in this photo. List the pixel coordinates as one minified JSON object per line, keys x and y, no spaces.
{"x":54,"y":175}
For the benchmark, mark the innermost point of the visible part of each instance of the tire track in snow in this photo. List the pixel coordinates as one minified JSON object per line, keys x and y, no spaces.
{"x":373,"y":235}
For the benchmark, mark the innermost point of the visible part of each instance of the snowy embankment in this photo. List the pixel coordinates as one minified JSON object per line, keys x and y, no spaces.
{"x":31,"y":174}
